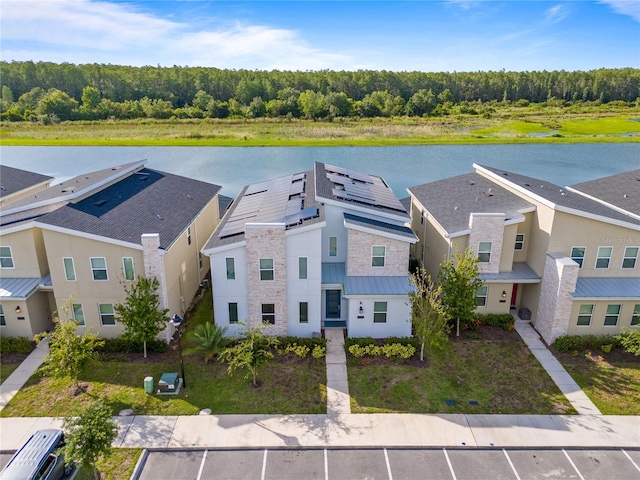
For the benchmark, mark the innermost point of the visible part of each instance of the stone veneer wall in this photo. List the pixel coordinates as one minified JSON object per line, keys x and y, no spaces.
{"x":487,"y":227}
{"x":558,"y":285}
{"x":267,"y":241}
{"x":360,"y":245}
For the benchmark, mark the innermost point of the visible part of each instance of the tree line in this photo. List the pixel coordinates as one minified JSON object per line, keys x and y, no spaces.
{"x":37,"y":90}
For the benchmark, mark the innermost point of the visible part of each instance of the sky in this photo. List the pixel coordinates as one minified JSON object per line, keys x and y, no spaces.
{"x":426,"y":36}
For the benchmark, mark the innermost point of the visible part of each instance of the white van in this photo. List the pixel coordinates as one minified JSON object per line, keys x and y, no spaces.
{"x":38,"y":459}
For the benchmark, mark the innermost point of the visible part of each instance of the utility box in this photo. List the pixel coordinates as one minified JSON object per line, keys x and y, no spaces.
{"x":168,"y":383}
{"x":524,"y":314}
{"x":148,"y":385}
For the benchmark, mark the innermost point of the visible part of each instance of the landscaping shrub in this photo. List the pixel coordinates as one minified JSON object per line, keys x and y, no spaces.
{"x":389,"y":350}
{"x":123,"y":345}
{"x":630,"y":341}
{"x":318,"y":352}
{"x":569,"y":343}
{"x":309,"y":342}
{"x":16,"y":345}
{"x":502,"y":320}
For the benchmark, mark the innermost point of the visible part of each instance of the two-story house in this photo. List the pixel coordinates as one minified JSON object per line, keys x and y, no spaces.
{"x":318,"y":249}
{"x":565,"y":258}
{"x":81,"y":241}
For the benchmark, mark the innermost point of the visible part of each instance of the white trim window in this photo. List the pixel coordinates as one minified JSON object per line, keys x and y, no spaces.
{"x":188,"y":235}
{"x":231,"y":268}
{"x":268,"y":313}
{"x":612,"y":315}
{"x":128,"y":269}
{"x":630,"y":257}
{"x":107,"y":314}
{"x":635,"y":316}
{"x":604,"y":257}
{"x":519,"y":241}
{"x":3,"y":321}
{"x":378,"y":253}
{"x":379,"y":312}
{"x":99,"y":268}
{"x":585,"y":314}
{"x":333,"y":246}
{"x":302,"y":268}
{"x":577,"y":255}
{"x":6,"y":258}
{"x":78,"y":313}
{"x":69,"y":269}
{"x":481,"y":296}
{"x":484,"y":252}
{"x":233,"y":313}
{"x":266,"y":269}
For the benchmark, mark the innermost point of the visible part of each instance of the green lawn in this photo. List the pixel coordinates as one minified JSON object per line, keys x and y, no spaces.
{"x":611,"y":381}
{"x":6,"y":370}
{"x":117,"y":466}
{"x":501,"y":375}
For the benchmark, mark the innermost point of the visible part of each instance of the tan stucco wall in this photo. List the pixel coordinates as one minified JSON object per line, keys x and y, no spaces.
{"x":508,"y":248}
{"x":597,"y":320}
{"x":524,"y":227}
{"x":27,"y":260}
{"x":35,"y":316}
{"x":494,"y":297}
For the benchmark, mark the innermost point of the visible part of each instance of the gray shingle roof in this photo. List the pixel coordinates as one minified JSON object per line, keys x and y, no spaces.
{"x":452,"y":200}
{"x":621,"y":190}
{"x":561,"y":196}
{"x":13,"y":180}
{"x":147,"y":201}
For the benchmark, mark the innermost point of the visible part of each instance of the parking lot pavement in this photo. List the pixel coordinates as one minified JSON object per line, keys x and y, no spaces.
{"x":394,"y":464}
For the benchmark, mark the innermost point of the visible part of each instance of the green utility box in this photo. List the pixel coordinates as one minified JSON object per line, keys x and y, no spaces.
{"x":148,"y":384}
{"x":168,"y":383}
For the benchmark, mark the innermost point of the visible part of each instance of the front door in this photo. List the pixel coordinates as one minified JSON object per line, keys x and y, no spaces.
{"x":333,"y":303}
{"x":514,"y":294}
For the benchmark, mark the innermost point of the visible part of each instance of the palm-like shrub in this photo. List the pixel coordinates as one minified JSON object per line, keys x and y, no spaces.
{"x":207,"y":339}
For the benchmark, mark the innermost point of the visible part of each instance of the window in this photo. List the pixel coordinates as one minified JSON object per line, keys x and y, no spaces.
{"x":611,"y":318}
{"x":189,"y":236}
{"x":604,"y":257}
{"x":233,"y":313}
{"x":333,"y":246}
{"x":422,"y":215}
{"x":199,"y":259}
{"x":269,"y":313}
{"x":302,"y":268}
{"x":69,"y":269}
{"x":127,"y":266}
{"x":481,"y":296}
{"x":519,"y":241}
{"x":630,"y":257}
{"x":231,"y":269}
{"x":266,"y":269}
{"x":377,"y":256}
{"x":78,"y":313}
{"x":3,"y":322}
{"x":484,"y":252}
{"x":107,"y":316}
{"x":99,"y":268}
{"x":6,"y":259}
{"x":584,"y":315}
{"x":379,"y":312}
{"x":304,"y":312}
{"x":577,"y":254}
{"x":635,"y":316}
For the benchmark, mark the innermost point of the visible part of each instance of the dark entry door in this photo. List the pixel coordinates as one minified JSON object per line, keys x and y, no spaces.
{"x":333,"y":303}
{"x":514,"y":294}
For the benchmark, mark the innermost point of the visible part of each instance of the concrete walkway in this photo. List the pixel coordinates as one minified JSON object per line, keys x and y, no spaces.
{"x":556,"y":371}
{"x":338,"y":399}
{"x":20,"y":375}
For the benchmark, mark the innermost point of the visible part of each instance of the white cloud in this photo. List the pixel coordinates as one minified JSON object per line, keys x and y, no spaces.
{"x":625,"y":7}
{"x":556,"y":13}
{"x":82,"y":31}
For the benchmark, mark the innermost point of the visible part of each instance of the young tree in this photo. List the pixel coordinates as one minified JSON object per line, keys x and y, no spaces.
{"x":459,"y":281}
{"x":428,"y":315}
{"x":140,"y":313}
{"x":68,"y":351}
{"x":250,"y":353}
{"x":208,"y":339}
{"x":89,"y":436}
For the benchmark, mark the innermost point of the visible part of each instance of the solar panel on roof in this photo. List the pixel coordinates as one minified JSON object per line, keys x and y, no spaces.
{"x":296,"y":187}
{"x":308,"y":213}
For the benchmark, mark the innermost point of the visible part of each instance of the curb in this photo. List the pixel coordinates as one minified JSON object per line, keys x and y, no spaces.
{"x":142,"y":460}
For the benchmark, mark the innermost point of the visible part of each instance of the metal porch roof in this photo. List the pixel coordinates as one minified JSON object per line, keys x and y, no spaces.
{"x":590,"y":287}
{"x":364,"y":285}
{"x":520,"y":273}
{"x":19,"y":288}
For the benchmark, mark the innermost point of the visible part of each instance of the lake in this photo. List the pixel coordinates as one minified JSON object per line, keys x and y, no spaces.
{"x":401,"y":167}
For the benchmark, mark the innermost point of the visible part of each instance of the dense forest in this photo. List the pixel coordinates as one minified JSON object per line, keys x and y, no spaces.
{"x":50,"y":92}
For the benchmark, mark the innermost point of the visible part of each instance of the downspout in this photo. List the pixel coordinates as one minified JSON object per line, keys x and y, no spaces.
{"x":195,"y":227}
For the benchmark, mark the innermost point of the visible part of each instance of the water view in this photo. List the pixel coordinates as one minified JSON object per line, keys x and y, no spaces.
{"x":402,"y":167}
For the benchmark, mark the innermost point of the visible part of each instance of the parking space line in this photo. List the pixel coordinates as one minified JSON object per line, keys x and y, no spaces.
{"x":573,"y":464}
{"x":446,"y":455}
{"x":631,"y":460}
{"x":264,"y":464}
{"x":511,"y":464}
{"x":386,"y":458}
{"x":326,"y":465}
{"x":204,"y":458}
